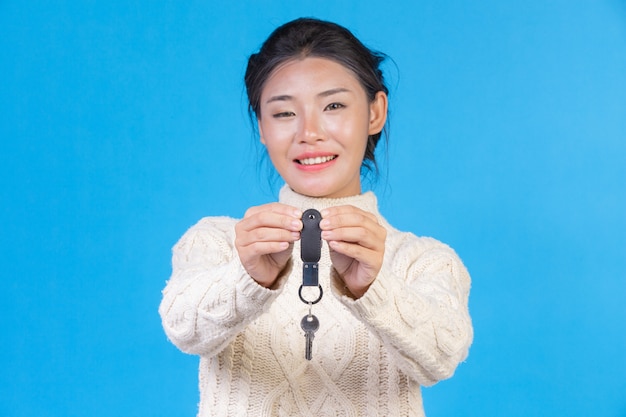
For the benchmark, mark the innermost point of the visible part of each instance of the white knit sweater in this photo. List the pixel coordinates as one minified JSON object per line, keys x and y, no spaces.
{"x":370,"y":356}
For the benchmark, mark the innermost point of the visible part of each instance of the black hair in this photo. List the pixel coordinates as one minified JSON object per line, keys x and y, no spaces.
{"x":308,"y":37}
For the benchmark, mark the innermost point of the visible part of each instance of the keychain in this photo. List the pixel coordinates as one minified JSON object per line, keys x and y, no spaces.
{"x":310,"y":253}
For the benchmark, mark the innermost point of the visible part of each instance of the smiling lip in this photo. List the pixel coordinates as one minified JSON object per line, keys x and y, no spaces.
{"x":314,"y":162}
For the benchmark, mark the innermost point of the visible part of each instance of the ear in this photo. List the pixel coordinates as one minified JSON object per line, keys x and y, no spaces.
{"x":378,"y":113}
{"x":258,"y":125}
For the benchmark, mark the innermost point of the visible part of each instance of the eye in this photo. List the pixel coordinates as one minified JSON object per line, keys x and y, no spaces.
{"x":334,"y":106}
{"x":283,"y":114}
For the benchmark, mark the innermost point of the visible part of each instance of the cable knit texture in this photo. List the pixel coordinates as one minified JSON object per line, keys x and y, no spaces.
{"x":370,"y":356}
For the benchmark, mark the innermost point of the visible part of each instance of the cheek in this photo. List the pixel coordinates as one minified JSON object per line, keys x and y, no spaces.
{"x":274,"y":137}
{"x":341,"y":128}
{"x":352,"y":132}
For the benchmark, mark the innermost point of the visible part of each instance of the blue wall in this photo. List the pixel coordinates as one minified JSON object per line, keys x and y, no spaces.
{"x":122,"y":124}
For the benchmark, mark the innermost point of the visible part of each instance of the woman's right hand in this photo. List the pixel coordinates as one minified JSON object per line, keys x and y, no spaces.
{"x":264,"y":240}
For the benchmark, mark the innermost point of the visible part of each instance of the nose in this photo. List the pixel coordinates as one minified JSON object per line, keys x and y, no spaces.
{"x":310,"y":129}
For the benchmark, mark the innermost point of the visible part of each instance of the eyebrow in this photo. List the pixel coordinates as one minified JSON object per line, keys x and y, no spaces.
{"x":327,"y":93}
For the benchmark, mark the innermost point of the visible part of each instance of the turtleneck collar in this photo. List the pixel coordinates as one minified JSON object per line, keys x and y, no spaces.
{"x":366,"y":201}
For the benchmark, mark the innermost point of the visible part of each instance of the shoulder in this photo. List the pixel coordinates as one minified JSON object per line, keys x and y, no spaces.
{"x":408,"y":243}
{"x":213,"y":225}
{"x":402,"y":241}
{"x":417,"y":255}
{"x":210,"y":240}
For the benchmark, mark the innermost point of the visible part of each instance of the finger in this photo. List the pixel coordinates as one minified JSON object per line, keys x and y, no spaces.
{"x":258,"y":249}
{"x":271,"y":220}
{"x":346,"y":216}
{"x":280,"y":217}
{"x":367,"y":257}
{"x":266,"y":234}
{"x":278,"y":208}
{"x":369,"y":238}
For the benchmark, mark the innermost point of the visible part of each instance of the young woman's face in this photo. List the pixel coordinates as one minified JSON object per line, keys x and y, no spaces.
{"x":315,"y":119}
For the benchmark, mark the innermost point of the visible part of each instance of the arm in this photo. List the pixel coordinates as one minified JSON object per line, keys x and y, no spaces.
{"x":418,"y":306}
{"x":210,"y":297}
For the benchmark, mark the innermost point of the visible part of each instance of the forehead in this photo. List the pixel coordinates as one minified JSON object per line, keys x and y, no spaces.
{"x":309,"y":75}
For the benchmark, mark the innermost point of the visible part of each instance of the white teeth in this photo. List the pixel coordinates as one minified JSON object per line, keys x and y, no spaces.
{"x":317,"y":160}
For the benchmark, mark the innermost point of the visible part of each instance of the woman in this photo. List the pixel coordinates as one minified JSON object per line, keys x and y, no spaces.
{"x":395,"y":311}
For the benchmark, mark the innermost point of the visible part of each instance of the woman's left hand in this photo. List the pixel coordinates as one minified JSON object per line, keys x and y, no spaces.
{"x":357,"y":245}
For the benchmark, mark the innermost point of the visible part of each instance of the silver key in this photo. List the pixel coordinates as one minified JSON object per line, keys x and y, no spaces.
{"x":309,"y":324}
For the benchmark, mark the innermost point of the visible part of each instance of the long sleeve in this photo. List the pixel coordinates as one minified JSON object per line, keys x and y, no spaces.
{"x":370,"y":356}
{"x":418,"y":307}
{"x":209,"y":298}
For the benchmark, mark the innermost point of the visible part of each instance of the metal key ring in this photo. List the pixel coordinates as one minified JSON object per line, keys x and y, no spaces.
{"x":319,"y":286}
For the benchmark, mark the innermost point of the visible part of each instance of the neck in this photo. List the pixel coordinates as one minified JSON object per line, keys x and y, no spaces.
{"x":366,"y":201}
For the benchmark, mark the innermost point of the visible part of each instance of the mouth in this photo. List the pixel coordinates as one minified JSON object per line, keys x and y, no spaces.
{"x":318,"y":160}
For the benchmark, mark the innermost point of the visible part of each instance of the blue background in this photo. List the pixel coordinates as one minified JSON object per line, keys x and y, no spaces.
{"x":122,"y":123}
